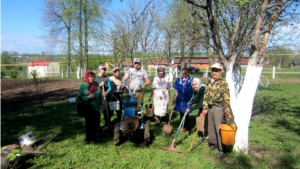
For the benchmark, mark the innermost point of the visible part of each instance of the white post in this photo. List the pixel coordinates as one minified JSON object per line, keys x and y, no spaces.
{"x":149,"y":71}
{"x":206,"y":73}
{"x":45,"y":71}
{"x":273,"y":72}
{"x":62,"y":73}
{"x":176,"y":69}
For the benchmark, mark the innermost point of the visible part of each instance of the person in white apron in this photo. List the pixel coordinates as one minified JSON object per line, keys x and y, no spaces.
{"x":160,"y":87}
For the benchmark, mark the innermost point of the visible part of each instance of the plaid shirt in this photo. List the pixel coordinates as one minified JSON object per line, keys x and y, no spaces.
{"x":217,"y":94}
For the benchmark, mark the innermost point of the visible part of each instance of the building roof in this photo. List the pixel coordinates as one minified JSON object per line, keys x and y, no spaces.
{"x":39,"y":63}
{"x":194,"y":61}
{"x":163,"y":62}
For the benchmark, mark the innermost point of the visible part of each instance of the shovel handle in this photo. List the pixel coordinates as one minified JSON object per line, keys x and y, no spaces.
{"x":103,"y":92}
{"x":170,"y":116}
{"x":198,"y":127}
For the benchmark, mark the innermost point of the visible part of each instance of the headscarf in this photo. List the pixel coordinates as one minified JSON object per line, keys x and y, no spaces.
{"x":87,"y":75}
{"x":199,"y":82}
{"x":161,"y":69}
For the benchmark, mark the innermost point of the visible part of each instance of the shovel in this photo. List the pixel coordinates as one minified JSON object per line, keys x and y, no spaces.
{"x":172,"y":146}
{"x":167,"y":128}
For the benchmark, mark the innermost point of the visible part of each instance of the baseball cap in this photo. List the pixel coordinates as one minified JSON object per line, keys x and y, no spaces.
{"x":217,"y":66}
{"x":102,"y":66}
{"x":114,"y":69}
{"x":136,"y":60}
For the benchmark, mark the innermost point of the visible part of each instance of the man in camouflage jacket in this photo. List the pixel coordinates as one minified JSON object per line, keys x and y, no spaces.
{"x":216,"y":103}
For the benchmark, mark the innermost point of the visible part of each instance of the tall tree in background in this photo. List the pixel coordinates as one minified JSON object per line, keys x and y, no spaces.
{"x":133,"y":30}
{"x":88,"y":18}
{"x":58,"y":18}
{"x":238,"y":28}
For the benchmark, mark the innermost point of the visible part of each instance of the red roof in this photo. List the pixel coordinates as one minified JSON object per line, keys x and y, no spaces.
{"x":39,"y":63}
{"x":194,"y":61}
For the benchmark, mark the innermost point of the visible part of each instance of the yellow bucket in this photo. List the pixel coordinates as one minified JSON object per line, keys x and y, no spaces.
{"x":228,"y":132}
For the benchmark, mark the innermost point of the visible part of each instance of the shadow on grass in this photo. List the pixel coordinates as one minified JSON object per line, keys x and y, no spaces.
{"x":54,"y":118}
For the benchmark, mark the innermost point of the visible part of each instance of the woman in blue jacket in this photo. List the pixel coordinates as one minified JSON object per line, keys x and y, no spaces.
{"x":182,"y":95}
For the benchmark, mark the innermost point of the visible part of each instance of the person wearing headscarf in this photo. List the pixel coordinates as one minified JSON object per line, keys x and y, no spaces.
{"x":105,"y":87}
{"x":182,"y":95}
{"x":89,"y":91}
{"x":160,"y":88}
{"x":197,"y":102}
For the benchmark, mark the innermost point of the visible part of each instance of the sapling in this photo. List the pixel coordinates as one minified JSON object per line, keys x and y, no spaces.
{"x":39,"y":85}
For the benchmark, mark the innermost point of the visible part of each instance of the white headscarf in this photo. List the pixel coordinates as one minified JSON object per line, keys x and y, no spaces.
{"x":198,"y":82}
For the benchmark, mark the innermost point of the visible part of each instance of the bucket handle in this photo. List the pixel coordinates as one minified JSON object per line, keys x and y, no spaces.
{"x":114,"y":97}
{"x":234,"y":124}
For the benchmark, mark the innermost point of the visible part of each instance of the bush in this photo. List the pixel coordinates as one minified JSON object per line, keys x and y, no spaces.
{"x":13,"y":73}
{"x":3,"y":73}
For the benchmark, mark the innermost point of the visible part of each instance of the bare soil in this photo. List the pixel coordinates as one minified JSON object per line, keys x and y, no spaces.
{"x":18,"y":94}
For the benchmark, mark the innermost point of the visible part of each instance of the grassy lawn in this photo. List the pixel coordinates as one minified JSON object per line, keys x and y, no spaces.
{"x":274,"y":135}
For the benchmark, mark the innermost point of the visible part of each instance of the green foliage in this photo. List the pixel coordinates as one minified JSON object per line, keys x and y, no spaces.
{"x":12,"y":154}
{"x":12,"y":158}
{"x":3,"y":73}
{"x":13,"y":73}
{"x":6,"y":57}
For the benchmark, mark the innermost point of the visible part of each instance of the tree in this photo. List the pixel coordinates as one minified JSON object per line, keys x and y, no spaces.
{"x":238,"y":28}
{"x":59,"y":19}
{"x":133,"y":31}
{"x":280,"y":56}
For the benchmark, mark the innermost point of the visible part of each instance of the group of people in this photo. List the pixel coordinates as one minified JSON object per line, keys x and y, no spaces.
{"x":99,"y":89}
{"x":211,"y":100}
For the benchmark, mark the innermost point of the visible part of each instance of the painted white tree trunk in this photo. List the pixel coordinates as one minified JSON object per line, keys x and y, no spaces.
{"x":78,"y":72}
{"x":241,"y":104}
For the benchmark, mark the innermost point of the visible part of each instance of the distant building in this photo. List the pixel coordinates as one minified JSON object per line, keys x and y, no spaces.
{"x":153,"y":64}
{"x":44,"y":68}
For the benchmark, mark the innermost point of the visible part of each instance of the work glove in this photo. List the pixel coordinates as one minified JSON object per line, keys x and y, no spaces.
{"x":101,"y":83}
{"x":228,"y":116}
{"x":105,"y":94}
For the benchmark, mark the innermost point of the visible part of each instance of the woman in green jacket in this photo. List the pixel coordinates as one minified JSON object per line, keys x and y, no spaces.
{"x":90,"y":93}
{"x":196,"y":103}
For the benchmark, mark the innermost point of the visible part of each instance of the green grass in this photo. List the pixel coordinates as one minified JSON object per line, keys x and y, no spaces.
{"x":274,"y":136}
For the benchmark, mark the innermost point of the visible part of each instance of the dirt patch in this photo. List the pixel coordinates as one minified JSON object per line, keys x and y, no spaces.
{"x":17,"y":94}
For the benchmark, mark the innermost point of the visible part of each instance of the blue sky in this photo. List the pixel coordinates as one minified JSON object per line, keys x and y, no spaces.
{"x":21,"y":26}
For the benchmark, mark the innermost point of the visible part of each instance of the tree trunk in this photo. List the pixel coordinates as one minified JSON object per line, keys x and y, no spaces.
{"x":241,"y":104}
{"x":69,"y":53}
{"x":86,"y":45}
